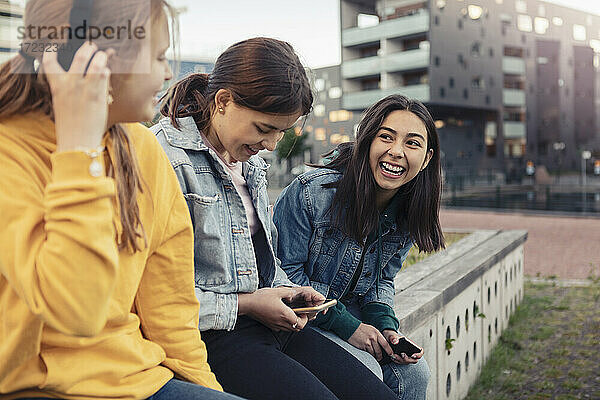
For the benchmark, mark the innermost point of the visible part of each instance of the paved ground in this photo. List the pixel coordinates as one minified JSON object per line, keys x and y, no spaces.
{"x":566,"y":247}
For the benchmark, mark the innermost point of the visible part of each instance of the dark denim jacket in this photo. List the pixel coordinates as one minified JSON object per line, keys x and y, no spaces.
{"x":224,"y":258}
{"x":315,"y":253}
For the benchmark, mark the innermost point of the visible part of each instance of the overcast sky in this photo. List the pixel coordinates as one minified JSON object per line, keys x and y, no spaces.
{"x":311,"y":26}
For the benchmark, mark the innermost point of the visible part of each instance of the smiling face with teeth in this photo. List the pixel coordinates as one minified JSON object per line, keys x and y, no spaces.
{"x":398,"y":153}
{"x":238,"y":133}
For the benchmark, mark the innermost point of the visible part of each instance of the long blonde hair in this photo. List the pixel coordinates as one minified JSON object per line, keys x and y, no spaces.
{"x":23,"y":91}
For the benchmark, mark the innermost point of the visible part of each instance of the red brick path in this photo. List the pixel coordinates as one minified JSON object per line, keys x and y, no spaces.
{"x":563,"y":246}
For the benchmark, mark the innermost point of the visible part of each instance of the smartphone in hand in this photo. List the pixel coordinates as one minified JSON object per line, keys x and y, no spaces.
{"x":405,"y":346}
{"x":301,"y":307}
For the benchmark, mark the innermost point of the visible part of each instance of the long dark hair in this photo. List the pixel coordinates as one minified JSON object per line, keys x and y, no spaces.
{"x":262,"y":74}
{"x":353,"y":209}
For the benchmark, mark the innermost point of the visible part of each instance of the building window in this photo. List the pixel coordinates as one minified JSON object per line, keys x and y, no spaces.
{"x":436,"y":20}
{"x":476,"y":49}
{"x":369,"y":51}
{"x":319,"y":110}
{"x":579,"y":32}
{"x":370,"y":84}
{"x":542,"y":60}
{"x":339,"y":115}
{"x":595,"y":45}
{"x":451,"y":82}
{"x":541,"y":25}
{"x":474,"y":11}
{"x":524,"y":23}
{"x":514,"y":114}
{"x":465,"y":94}
{"x":335,"y":92}
{"x":436,"y":60}
{"x":478,"y":83}
{"x":487,"y":99}
{"x":461,"y":59}
{"x":319,"y":84}
{"x":441,"y":4}
{"x":521,"y":6}
{"x":557,"y":21}
{"x":491,"y":52}
{"x":442,"y":92}
{"x":320,"y":134}
{"x":415,"y":78}
{"x":337,"y":138}
{"x":513,"y":52}
{"x":460,"y":24}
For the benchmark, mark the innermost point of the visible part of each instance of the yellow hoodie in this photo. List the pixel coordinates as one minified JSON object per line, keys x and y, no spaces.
{"x":80,"y":319}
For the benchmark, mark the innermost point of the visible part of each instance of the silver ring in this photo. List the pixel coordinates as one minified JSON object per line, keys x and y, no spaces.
{"x":295,"y":324}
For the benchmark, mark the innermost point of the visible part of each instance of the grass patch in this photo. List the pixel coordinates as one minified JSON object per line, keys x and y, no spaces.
{"x":414,"y":256}
{"x":550,"y":348}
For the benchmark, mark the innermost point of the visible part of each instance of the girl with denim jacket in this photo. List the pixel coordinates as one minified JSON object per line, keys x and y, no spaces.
{"x":216,"y":125}
{"x":346,"y":228}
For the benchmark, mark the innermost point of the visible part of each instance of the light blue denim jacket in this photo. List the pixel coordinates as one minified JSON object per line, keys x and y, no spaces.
{"x":314,"y":252}
{"x":224,"y":258}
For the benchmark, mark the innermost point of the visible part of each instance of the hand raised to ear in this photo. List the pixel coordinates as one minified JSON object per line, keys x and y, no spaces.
{"x":79,"y":97}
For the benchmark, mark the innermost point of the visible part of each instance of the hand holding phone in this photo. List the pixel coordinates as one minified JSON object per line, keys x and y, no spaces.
{"x":405,"y":350}
{"x":303,"y":308}
{"x":79,"y":99}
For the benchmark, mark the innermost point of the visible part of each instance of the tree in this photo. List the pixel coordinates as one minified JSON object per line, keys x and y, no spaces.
{"x":291,"y":146}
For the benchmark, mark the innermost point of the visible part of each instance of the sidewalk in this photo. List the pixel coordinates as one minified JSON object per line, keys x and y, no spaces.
{"x":564,"y":247}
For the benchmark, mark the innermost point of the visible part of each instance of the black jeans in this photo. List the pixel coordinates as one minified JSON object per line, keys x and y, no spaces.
{"x":256,"y":363}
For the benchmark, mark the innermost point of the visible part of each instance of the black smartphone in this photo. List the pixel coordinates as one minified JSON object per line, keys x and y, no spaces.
{"x":81,"y":14}
{"x":405,"y":346}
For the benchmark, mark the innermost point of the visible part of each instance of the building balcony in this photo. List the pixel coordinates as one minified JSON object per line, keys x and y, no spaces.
{"x":513,"y":97}
{"x":407,"y":60}
{"x":514,"y":130}
{"x":402,"y":61}
{"x":362,"y":67}
{"x":513,"y":65}
{"x":410,"y":25}
{"x":364,"y":99}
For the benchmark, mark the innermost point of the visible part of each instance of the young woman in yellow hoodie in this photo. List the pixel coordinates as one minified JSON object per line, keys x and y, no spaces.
{"x":96,"y":247}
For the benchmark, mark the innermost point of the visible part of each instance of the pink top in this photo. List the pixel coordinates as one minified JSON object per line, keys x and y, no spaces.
{"x":235,"y":172}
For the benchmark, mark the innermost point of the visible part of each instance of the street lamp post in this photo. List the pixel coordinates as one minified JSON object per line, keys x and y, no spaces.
{"x":585,"y":155}
{"x":558,"y":147}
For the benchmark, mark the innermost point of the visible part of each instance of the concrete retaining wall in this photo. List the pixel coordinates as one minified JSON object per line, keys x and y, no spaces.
{"x":461,"y":298}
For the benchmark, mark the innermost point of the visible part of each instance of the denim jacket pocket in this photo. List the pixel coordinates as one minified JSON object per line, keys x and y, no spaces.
{"x":212,"y":268}
{"x":331,"y":239}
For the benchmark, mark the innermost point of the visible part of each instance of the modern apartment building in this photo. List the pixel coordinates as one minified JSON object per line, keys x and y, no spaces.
{"x":10,"y":16}
{"x":506,"y":80}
